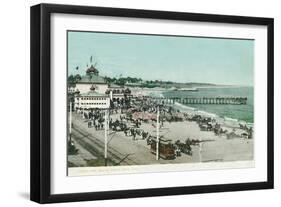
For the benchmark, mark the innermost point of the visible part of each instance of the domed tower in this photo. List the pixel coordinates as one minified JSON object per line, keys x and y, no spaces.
{"x":92,"y":71}
{"x":92,"y":81}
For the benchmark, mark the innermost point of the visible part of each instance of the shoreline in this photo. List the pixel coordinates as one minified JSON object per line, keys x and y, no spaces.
{"x":184,"y":108}
{"x":136,"y":152}
{"x":158,"y":92}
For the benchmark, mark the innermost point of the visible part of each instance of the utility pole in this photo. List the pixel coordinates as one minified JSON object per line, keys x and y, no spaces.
{"x":70,"y":120}
{"x":157,"y":135}
{"x":200,"y":150}
{"x":105,"y":136}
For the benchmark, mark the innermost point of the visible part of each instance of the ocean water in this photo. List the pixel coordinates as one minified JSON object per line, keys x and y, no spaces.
{"x":238,"y":112}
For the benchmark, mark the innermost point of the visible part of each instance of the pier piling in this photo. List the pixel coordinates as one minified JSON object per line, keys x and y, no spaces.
{"x":201,"y":100}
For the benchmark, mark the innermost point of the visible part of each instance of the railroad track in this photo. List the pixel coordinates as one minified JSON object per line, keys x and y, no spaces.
{"x":96,"y":148}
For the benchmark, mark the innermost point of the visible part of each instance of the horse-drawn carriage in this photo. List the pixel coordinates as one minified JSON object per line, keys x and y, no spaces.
{"x":166,"y":148}
{"x":206,"y":126}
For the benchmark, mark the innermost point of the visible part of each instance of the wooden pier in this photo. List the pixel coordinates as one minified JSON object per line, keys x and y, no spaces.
{"x":203,"y":100}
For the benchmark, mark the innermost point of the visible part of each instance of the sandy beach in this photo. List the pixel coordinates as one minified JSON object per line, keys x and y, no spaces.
{"x":136,"y":152}
{"x":209,"y":138}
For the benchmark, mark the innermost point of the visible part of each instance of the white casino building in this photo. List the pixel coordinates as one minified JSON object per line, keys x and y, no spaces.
{"x":92,"y":91}
{"x":91,"y":100}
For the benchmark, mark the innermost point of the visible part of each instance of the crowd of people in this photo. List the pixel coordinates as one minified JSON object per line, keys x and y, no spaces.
{"x":129,"y":122}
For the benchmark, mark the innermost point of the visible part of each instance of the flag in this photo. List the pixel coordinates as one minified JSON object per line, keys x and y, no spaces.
{"x":91,"y":59}
{"x":77,"y":67}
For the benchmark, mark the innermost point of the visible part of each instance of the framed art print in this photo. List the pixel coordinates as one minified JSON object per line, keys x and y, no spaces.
{"x":132,"y":103}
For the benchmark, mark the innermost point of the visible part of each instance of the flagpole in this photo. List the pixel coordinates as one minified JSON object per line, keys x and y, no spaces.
{"x":157,"y":135}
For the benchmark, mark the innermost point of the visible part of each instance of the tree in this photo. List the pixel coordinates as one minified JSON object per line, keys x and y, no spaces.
{"x":77,"y":77}
{"x":70,"y":79}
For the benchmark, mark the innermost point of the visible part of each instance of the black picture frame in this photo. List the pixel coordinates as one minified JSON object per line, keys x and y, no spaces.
{"x":41,"y":98}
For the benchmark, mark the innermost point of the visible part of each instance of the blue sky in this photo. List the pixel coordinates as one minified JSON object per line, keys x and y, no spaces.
{"x":153,"y":57}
